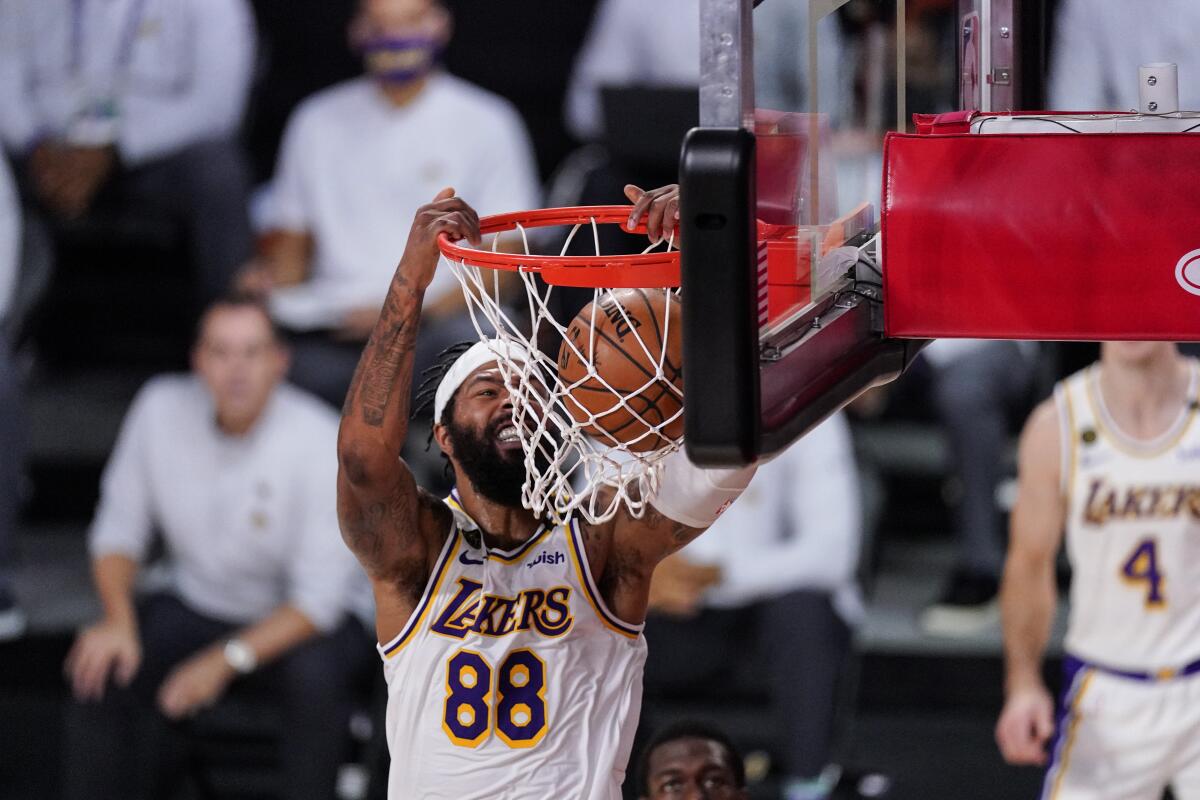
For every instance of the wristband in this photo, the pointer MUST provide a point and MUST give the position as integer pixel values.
(694, 495)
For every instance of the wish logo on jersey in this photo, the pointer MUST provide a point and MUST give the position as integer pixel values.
(548, 558)
(1109, 502)
(547, 612)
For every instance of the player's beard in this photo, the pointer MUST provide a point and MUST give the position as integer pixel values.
(495, 475)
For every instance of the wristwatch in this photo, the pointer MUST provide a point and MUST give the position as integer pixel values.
(240, 656)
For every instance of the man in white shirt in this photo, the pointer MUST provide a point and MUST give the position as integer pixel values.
(773, 579)
(12, 428)
(1098, 48)
(110, 103)
(359, 158)
(237, 472)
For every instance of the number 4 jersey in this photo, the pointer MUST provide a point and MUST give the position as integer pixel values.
(512, 679)
(1133, 533)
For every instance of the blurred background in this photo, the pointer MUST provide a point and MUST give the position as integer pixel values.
(108, 278)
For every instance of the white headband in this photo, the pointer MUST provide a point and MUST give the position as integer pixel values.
(481, 353)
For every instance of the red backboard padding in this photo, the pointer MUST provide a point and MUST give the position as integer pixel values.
(1042, 236)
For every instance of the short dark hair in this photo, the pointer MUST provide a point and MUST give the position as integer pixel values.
(237, 300)
(426, 393)
(431, 379)
(690, 729)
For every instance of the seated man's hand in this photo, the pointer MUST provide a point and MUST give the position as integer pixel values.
(195, 684)
(68, 178)
(659, 206)
(678, 585)
(106, 649)
(49, 172)
(89, 169)
(254, 278)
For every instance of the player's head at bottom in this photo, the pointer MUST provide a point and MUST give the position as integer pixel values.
(691, 761)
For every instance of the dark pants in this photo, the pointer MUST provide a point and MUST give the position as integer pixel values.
(976, 397)
(203, 188)
(123, 749)
(795, 646)
(12, 458)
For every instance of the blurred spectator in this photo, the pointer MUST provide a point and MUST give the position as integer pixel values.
(634, 43)
(774, 576)
(1098, 48)
(12, 429)
(111, 104)
(978, 388)
(236, 471)
(358, 157)
(691, 760)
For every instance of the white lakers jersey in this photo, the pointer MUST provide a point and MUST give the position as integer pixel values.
(512, 680)
(1133, 533)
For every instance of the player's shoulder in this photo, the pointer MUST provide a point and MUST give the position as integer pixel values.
(1040, 439)
(1043, 419)
(436, 514)
(1077, 378)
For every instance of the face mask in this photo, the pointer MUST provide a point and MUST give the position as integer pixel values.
(400, 60)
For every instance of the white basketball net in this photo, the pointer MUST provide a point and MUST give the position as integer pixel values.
(568, 471)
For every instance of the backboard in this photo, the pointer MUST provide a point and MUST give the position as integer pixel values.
(780, 191)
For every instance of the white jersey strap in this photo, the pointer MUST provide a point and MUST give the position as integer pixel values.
(461, 518)
(1066, 438)
(583, 571)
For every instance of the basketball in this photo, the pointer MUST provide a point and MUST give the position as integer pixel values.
(625, 347)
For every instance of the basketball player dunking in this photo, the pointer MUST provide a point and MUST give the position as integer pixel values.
(1114, 459)
(512, 649)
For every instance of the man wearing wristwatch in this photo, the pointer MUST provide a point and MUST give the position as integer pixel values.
(236, 471)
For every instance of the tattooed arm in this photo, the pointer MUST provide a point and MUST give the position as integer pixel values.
(393, 527)
(624, 553)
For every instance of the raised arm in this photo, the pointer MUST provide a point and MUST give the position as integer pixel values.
(1028, 592)
(385, 520)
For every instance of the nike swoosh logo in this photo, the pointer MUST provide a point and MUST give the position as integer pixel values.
(463, 559)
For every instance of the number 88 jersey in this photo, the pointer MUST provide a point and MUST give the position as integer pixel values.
(512, 679)
(1133, 532)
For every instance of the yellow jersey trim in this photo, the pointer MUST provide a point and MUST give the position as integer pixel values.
(504, 556)
(1127, 444)
(1072, 448)
(1072, 729)
(435, 584)
(579, 558)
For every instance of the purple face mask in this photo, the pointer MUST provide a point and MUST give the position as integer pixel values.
(395, 60)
